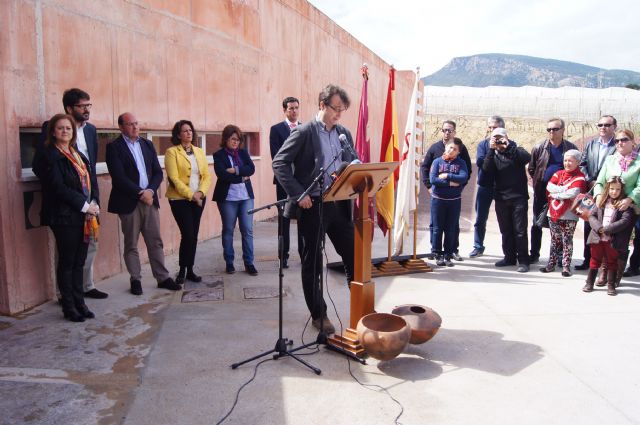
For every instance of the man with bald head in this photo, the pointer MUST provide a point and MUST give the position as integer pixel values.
(136, 176)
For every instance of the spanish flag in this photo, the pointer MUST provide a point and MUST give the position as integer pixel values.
(388, 153)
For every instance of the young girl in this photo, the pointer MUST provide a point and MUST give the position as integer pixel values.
(448, 175)
(610, 231)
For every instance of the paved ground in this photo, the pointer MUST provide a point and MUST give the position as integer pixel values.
(514, 349)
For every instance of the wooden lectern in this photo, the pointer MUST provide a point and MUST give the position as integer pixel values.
(359, 181)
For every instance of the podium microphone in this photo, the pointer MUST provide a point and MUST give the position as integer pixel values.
(347, 146)
(334, 176)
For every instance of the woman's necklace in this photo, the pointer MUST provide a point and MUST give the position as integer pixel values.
(188, 149)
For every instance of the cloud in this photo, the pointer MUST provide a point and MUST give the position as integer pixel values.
(410, 33)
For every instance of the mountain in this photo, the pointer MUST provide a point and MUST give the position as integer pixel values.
(496, 69)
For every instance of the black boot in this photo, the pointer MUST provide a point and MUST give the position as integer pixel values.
(591, 278)
(66, 297)
(180, 276)
(611, 283)
(78, 294)
(192, 276)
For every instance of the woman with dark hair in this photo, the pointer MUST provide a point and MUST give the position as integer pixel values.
(70, 209)
(234, 195)
(188, 182)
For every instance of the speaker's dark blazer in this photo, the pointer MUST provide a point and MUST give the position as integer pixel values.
(302, 150)
(220, 164)
(277, 135)
(90, 136)
(125, 178)
(62, 194)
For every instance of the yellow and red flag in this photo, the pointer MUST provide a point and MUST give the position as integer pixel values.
(388, 153)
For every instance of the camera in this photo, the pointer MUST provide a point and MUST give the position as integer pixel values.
(501, 142)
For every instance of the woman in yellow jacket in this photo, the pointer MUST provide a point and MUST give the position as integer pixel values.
(189, 181)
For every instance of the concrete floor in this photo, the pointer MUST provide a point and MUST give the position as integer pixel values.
(513, 349)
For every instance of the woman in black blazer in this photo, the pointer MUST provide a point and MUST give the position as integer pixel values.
(234, 196)
(70, 209)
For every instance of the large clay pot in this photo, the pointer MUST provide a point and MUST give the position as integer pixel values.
(383, 335)
(424, 322)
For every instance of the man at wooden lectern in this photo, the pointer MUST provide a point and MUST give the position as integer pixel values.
(309, 148)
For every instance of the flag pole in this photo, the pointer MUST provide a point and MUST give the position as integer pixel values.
(415, 263)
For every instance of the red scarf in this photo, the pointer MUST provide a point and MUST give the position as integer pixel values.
(570, 180)
(91, 226)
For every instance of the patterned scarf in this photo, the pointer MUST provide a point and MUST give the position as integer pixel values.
(91, 226)
(626, 160)
(234, 153)
(570, 180)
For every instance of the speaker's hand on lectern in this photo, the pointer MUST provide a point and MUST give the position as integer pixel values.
(306, 203)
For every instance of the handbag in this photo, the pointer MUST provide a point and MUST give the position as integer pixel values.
(542, 220)
(583, 204)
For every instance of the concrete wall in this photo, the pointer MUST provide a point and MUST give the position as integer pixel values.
(214, 62)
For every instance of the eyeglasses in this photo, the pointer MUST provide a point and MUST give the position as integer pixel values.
(338, 110)
(85, 106)
(623, 140)
(554, 129)
(448, 130)
(607, 125)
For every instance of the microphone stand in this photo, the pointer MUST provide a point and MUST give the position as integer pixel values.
(280, 348)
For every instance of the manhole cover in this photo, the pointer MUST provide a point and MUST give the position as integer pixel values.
(263, 292)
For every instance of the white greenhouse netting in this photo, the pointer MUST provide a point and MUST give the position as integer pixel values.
(569, 103)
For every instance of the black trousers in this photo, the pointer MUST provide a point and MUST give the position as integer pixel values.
(283, 228)
(187, 215)
(539, 199)
(72, 252)
(338, 225)
(512, 220)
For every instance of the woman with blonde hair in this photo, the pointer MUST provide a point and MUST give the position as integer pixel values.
(625, 164)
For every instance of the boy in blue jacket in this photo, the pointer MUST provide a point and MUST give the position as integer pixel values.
(448, 175)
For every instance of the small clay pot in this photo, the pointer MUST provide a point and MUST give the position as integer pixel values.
(424, 322)
(383, 335)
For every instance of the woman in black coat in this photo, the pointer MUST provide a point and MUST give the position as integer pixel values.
(70, 209)
(234, 195)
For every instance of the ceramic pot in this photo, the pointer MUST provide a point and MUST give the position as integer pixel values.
(383, 335)
(424, 322)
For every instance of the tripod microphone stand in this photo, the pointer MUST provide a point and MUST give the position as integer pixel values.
(280, 348)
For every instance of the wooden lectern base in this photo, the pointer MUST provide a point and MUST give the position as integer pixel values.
(348, 341)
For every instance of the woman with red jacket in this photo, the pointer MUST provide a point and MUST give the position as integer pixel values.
(562, 188)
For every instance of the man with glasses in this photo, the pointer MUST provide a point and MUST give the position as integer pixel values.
(546, 158)
(77, 103)
(136, 176)
(277, 135)
(593, 156)
(484, 194)
(310, 148)
(436, 150)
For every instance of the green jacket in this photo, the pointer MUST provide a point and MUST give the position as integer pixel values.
(611, 168)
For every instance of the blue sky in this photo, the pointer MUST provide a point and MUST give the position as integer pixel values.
(410, 33)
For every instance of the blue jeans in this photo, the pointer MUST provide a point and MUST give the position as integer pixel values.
(484, 197)
(445, 216)
(230, 211)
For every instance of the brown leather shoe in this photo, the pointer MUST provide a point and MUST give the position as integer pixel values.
(327, 326)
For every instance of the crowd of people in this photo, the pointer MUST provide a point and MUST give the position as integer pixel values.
(599, 184)
(603, 177)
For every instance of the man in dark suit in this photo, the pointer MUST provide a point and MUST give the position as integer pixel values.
(309, 148)
(77, 103)
(136, 176)
(277, 135)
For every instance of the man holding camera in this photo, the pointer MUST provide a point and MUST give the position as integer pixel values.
(546, 158)
(506, 161)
